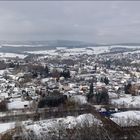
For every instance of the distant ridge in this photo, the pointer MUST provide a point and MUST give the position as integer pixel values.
(22, 46)
(69, 43)
(47, 43)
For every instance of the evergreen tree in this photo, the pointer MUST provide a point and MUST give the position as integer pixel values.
(95, 68)
(46, 69)
(66, 73)
(106, 80)
(90, 94)
(127, 88)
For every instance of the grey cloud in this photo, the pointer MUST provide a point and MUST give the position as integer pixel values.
(99, 22)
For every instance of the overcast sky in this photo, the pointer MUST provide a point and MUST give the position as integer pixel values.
(92, 21)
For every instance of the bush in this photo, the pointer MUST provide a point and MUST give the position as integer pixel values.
(3, 106)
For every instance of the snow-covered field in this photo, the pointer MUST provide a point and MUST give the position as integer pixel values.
(73, 51)
(127, 118)
(17, 103)
(76, 51)
(127, 101)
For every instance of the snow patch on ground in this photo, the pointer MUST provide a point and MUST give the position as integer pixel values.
(6, 126)
(79, 99)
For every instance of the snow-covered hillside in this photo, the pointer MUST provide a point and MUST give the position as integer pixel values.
(13, 55)
(45, 127)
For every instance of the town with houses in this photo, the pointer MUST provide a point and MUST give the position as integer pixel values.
(87, 93)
